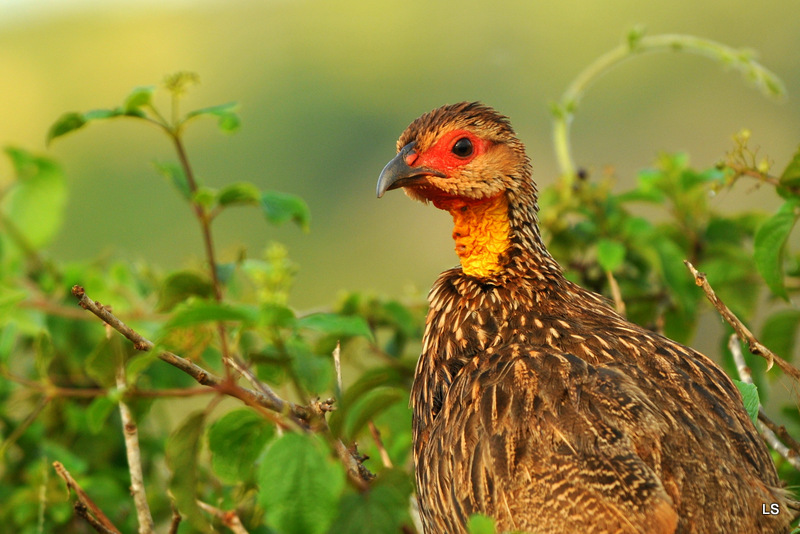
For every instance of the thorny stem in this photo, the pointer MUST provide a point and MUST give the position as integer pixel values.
(636, 44)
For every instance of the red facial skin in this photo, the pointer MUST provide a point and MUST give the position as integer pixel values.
(441, 158)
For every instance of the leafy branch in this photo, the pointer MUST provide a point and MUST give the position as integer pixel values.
(636, 43)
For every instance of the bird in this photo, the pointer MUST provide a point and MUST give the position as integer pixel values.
(534, 402)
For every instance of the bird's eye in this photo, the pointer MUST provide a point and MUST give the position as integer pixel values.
(462, 148)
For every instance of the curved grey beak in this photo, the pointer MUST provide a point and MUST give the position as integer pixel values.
(397, 173)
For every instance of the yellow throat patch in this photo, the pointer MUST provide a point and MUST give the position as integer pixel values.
(482, 233)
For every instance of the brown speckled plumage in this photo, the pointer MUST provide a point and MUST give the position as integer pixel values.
(537, 404)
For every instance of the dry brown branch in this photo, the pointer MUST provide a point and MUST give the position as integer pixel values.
(769, 435)
(376, 437)
(619, 304)
(82, 512)
(308, 416)
(131, 434)
(88, 509)
(741, 330)
(175, 522)
(781, 432)
(268, 400)
(229, 518)
(337, 365)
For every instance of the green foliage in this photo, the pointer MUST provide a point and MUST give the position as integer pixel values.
(299, 485)
(384, 508)
(60, 369)
(480, 524)
(769, 245)
(750, 397)
(32, 207)
(236, 440)
(182, 454)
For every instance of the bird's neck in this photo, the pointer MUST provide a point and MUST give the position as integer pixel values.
(482, 232)
(497, 234)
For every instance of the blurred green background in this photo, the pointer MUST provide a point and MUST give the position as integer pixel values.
(325, 89)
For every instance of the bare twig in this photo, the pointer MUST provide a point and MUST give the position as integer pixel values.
(619, 304)
(309, 417)
(337, 365)
(353, 463)
(83, 512)
(781, 432)
(268, 400)
(229, 518)
(131, 434)
(85, 502)
(764, 430)
(741, 330)
(175, 522)
(376, 437)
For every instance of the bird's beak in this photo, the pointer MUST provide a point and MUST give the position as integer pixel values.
(398, 172)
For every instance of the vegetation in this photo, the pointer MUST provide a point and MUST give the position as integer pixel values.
(225, 409)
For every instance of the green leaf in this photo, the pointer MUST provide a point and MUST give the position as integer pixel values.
(205, 197)
(69, 122)
(181, 285)
(175, 175)
(481, 524)
(279, 208)
(401, 317)
(65, 124)
(277, 316)
(183, 448)
(780, 332)
(139, 363)
(139, 97)
(299, 485)
(387, 377)
(769, 246)
(368, 407)
(384, 508)
(314, 372)
(750, 397)
(35, 203)
(675, 274)
(97, 413)
(239, 193)
(103, 362)
(45, 353)
(100, 114)
(196, 311)
(335, 324)
(791, 174)
(236, 440)
(227, 114)
(610, 254)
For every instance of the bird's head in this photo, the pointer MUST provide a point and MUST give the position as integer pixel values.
(466, 159)
(463, 152)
